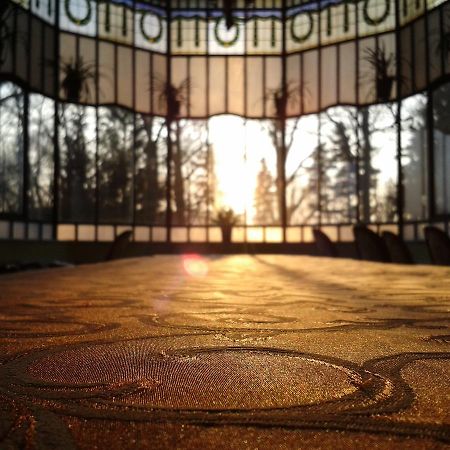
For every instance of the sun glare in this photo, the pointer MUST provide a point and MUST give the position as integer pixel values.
(195, 265)
(239, 148)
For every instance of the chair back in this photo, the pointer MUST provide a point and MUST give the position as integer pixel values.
(397, 248)
(438, 244)
(369, 245)
(324, 245)
(119, 246)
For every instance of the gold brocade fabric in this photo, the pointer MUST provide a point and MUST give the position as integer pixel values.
(251, 352)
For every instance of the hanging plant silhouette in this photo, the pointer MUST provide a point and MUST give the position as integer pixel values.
(172, 96)
(283, 98)
(228, 7)
(383, 66)
(76, 77)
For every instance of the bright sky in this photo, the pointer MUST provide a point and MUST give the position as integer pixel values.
(239, 147)
(238, 150)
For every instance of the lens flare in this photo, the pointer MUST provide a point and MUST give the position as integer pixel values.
(195, 265)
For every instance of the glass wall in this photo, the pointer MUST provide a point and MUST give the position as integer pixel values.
(159, 115)
(133, 54)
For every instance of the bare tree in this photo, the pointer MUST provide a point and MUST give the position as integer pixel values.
(78, 171)
(282, 141)
(40, 154)
(11, 148)
(362, 123)
(265, 196)
(150, 154)
(190, 155)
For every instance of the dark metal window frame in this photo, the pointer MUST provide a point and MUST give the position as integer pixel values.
(431, 86)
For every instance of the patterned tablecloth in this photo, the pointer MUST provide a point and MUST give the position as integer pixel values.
(225, 352)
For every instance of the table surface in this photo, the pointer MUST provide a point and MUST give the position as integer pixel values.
(225, 352)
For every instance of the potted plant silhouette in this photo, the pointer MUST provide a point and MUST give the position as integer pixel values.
(383, 66)
(226, 219)
(76, 77)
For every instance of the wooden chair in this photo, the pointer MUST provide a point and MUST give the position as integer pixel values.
(397, 248)
(369, 245)
(119, 246)
(438, 244)
(324, 245)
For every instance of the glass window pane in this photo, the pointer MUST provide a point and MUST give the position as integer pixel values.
(216, 85)
(107, 75)
(198, 87)
(150, 170)
(77, 179)
(11, 148)
(301, 170)
(115, 149)
(191, 191)
(339, 149)
(40, 155)
(36, 57)
(50, 66)
(125, 76)
(254, 87)
(142, 82)
(236, 94)
(293, 80)
(79, 16)
(378, 163)
(441, 141)
(414, 157)
(328, 77)
(311, 81)
(347, 73)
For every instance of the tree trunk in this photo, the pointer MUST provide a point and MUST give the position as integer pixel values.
(178, 178)
(279, 147)
(367, 166)
(150, 188)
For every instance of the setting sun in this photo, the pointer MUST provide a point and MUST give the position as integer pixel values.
(239, 147)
